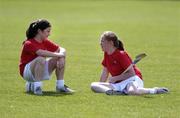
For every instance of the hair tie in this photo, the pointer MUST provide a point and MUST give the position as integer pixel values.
(34, 25)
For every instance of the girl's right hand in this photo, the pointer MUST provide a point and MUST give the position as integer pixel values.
(60, 55)
(46, 53)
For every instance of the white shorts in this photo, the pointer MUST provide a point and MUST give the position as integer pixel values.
(28, 76)
(122, 85)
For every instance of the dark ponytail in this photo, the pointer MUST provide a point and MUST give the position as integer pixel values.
(111, 36)
(32, 31)
(120, 45)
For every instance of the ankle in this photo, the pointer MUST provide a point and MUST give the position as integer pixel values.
(60, 83)
(153, 91)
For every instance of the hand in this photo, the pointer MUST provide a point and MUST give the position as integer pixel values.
(61, 62)
(60, 55)
(112, 80)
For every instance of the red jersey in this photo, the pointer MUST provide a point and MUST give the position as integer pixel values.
(29, 51)
(118, 62)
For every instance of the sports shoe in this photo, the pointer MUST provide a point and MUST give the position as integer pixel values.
(38, 91)
(114, 92)
(65, 89)
(161, 90)
(29, 87)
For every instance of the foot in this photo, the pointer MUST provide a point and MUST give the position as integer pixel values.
(161, 90)
(65, 89)
(114, 92)
(29, 87)
(38, 91)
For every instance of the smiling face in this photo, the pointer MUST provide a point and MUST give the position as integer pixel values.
(105, 44)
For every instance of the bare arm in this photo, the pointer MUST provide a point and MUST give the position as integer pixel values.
(61, 60)
(104, 75)
(62, 51)
(122, 76)
(59, 53)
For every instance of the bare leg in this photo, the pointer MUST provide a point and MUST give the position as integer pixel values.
(133, 90)
(60, 71)
(58, 64)
(101, 87)
(53, 64)
(38, 67)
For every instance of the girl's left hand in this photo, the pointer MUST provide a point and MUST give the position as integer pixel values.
(111, 80)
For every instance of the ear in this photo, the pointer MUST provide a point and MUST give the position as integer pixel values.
(39, 31)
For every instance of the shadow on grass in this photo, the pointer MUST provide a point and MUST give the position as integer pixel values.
(143, 96)
(148, 96)
(51, 93)
(155, 95)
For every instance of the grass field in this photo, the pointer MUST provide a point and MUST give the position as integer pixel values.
(144, 26)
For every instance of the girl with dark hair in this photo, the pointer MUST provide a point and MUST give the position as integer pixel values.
(116, 61)
(40, 57)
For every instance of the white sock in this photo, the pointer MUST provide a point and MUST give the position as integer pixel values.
(60, 83)
(152, 91)
(37, 84)
(32, 86)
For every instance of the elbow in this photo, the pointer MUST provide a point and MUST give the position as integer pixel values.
(61, 51)
(64, 52)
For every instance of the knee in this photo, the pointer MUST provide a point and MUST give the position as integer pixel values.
(40, 61)
(94, 85)
(132, 90)
(60, 63)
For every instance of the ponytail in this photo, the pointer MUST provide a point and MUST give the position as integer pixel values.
(32, 31)
(120, 45)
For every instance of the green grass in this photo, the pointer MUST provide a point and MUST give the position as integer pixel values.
(144, 26)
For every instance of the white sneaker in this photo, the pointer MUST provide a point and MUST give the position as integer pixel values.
(65, 89)
(38, 91)
(29, 87)
(161, 90)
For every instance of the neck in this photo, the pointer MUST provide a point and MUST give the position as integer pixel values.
(38, 39)
(111, 50)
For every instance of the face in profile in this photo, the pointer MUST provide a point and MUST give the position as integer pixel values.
(104, 45)
(44, 33)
